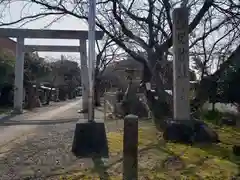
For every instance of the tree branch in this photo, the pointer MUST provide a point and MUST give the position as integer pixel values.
(206, 34)
(232, 59)
(142, 19)
(207, 4)
(167, 7)
(125, 30)
(40, 15)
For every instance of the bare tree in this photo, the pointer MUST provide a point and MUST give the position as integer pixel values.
(108, 52)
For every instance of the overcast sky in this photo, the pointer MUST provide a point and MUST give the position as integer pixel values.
(15, 11)
(20, 9)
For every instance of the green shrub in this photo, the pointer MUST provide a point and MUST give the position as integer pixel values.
(212, 115)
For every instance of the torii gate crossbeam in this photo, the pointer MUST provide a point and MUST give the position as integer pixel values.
(47, 34)
(33, 48)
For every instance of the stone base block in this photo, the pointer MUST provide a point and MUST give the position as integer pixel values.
(191, 131)
(228, 121)
(90, 140)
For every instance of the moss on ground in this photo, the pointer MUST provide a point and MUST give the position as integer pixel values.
(160, 160)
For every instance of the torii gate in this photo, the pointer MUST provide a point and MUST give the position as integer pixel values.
(21, 34)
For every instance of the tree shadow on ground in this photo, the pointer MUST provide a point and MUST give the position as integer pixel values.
(100, 169)
(60, 145)
(180, 163)
(172, 157)
(220, 152)
(202, 154)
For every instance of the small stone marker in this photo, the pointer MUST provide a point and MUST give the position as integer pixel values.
(130, 148)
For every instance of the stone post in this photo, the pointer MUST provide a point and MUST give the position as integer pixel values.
(130, 147)
(181, 64)
(84, 75)
(19, 76)
(57, 95)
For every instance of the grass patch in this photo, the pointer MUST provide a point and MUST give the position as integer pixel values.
(160, 160)
(4, 110)
(215, 117)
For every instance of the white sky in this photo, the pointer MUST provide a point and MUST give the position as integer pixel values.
(66, 23)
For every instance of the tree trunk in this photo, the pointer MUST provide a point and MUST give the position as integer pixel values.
(50, 92)
(31, 97)
(158, 101)
(97, 84)
(213, 106)
(49, 97)
(97, 92)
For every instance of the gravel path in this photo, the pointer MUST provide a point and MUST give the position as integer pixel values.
(37, 153)
(45, 151)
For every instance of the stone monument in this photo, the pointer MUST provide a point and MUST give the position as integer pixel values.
(182, 128)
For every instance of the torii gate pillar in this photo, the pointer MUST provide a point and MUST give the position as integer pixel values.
(19, 76)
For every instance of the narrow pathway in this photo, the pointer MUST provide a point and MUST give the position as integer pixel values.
(9, 133)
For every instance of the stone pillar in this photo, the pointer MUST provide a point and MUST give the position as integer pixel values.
(84, 75)
(130, 147)
(181, 64)
(19, 76)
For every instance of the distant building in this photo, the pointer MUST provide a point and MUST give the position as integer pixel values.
(115, 72)
(9, 45)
